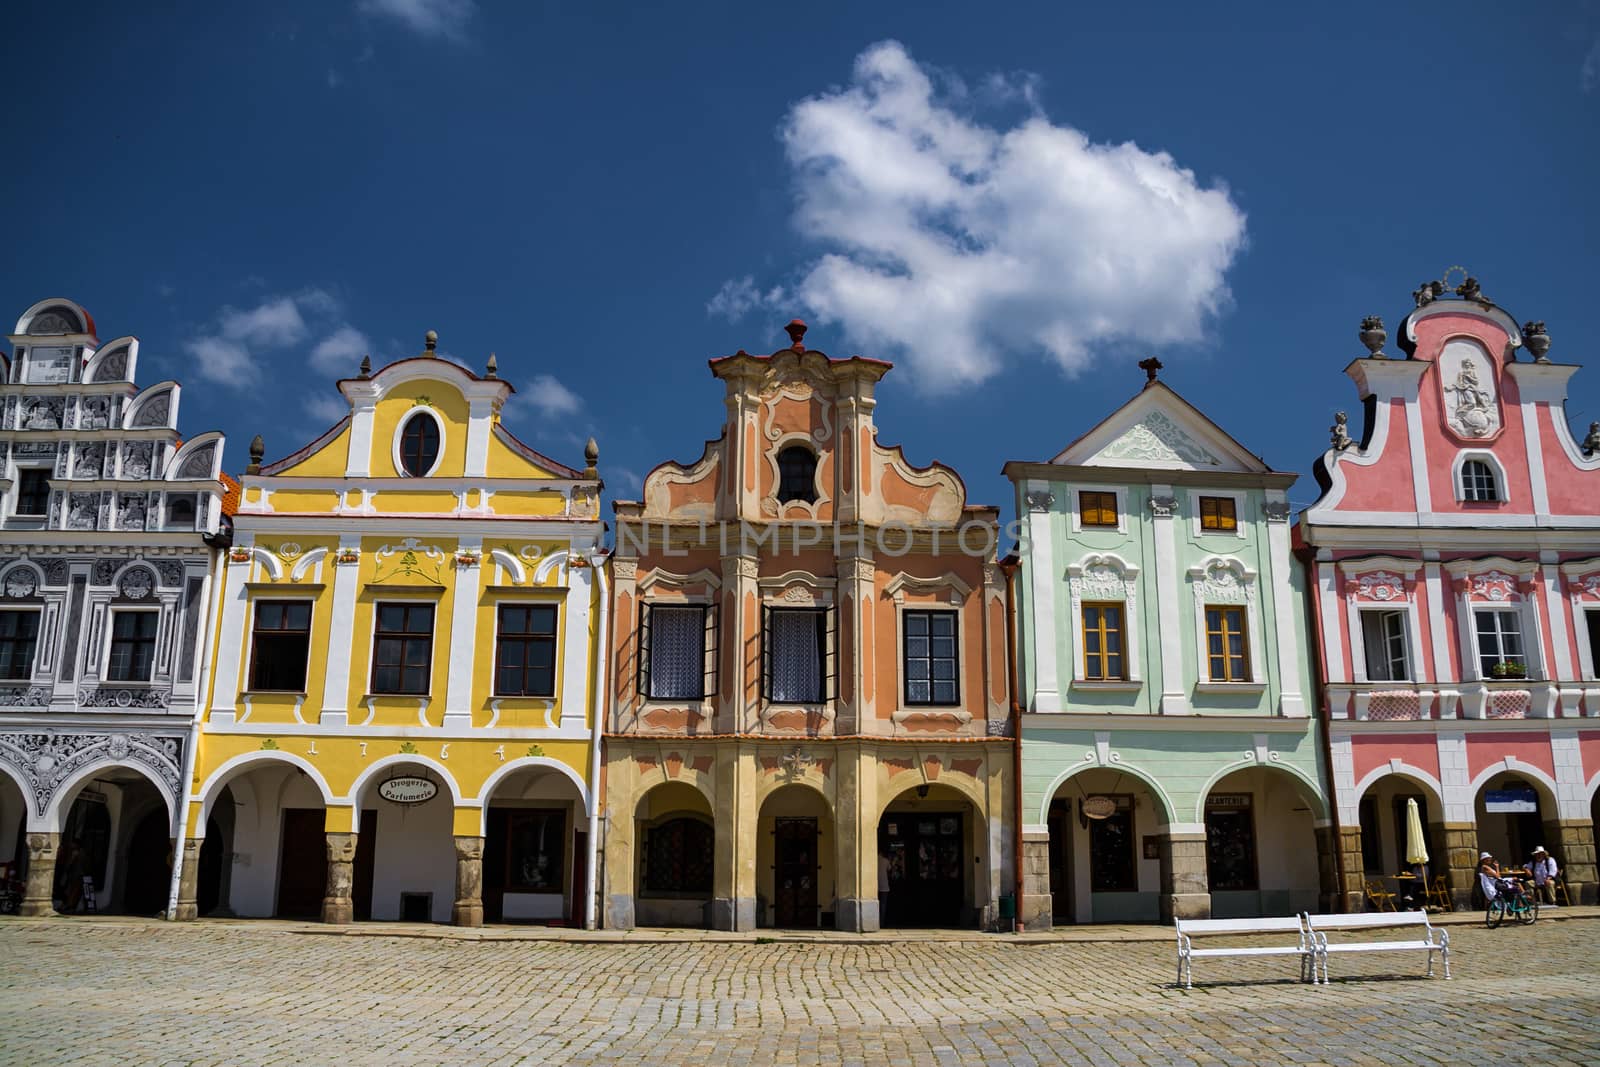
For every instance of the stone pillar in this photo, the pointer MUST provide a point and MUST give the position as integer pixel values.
(620, 868)
(857, 908)
(1185, 890)
(468, 909)
(337, 907)
(1348, 895)
(1574, 851)
(1036, 909)
(1459, 864)
(189, 882)
(39, 896)
(733, 876)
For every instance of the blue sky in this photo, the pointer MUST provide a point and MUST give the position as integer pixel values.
(1015, 203)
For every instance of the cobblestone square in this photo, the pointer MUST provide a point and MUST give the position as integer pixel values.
(91, 992)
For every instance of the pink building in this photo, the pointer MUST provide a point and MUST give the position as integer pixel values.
(1456, 557)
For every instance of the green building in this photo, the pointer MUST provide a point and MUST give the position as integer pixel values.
(1170, 766)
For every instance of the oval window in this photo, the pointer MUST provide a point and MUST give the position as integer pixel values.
(419, 444)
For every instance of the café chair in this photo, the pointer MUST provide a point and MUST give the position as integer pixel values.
(1439, 894)
(1562, 896)
(1381, 898)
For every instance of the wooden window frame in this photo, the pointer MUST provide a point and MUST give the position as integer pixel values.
(1224, 632)
(256, 633)
(1102, 631)
(1093, 513)
(528, 639)
(1216, 521)
(405, 638)
(905, 657)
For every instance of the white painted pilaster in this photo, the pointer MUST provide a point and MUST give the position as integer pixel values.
(231, 640)
(575, 642)
(463, 641)
(1168, 590)
(480, 420)
(341, 632)
(358, 464)
(1454, 779)
(1044, 582)
(1291, 701)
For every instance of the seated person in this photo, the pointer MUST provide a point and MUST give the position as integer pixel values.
(1544, 871)
(1488, 877)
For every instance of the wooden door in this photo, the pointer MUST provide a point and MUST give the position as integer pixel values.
(302, 864)
(927, 871)
(366, 850)
(795, 874)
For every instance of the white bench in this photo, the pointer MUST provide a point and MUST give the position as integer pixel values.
(1430, 940)
(1188, 929)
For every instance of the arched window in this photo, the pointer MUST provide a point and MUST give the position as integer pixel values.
(797, 474)
(1478, 481)
(419, 444)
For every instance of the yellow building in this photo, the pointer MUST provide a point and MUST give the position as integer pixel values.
(402, 700)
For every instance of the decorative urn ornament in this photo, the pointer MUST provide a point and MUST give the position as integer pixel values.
(1373, 335)
(1537, 340)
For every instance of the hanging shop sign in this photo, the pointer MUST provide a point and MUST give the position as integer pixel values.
(1511, 800)
(1099, 807)
(408, 790)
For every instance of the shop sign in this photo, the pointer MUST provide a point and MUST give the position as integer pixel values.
(408, 790)
(1228, 800)
(1511, 800)
(1099, 807)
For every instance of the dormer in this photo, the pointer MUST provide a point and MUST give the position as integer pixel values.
(52, 341)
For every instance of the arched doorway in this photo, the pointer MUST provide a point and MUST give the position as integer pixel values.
(265, 848)
(535, 849)
(932, 841)
(1261, 845)
(115, 852)
(676, 839)
(405, 862)
(13, 839)
(1384, 851)
(1104, 857)
(1511, 812)
(796, 882)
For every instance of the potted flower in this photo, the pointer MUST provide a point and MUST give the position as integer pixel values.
(1505, 670)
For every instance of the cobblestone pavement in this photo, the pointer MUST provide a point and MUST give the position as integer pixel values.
(99, 991)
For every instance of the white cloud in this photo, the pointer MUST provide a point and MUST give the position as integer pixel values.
(956, 243)
(1589, 76)
(548, 396)
(340, 352)
(222, 361)
(229, 351)
(430, 18)
(739, 296)
(326, 408)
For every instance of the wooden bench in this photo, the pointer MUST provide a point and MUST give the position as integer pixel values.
(1188, 929)
(1429, 939)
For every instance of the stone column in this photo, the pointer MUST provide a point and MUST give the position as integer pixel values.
(337, 907)
(39, 896)
(1574, 850)
(1036, 909)
(1185, 890)
(189, 882)
(1459, 864)
(468, 909)
(1349, 894)
(733, 877)
(620, 868)
(855, 847)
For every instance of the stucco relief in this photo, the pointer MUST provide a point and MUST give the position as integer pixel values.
(673, 490)
(1102, 577)
(1497, 586)
(1223, 581)
(46, 760)
(822, 425)
(410, 559)
(1588, 587)
(1382, 586)
(916, 496)
(1470, 393)
(1157, 439)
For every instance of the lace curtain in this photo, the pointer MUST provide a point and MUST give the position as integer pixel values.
(796, 658)
(677, 653)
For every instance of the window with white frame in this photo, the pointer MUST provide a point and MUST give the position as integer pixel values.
(1104, 642)
(1383, 640)
(677, 653)
(19, 639)
(1227, 643)
(1478, 482)
(1500, 649)
(133, 646)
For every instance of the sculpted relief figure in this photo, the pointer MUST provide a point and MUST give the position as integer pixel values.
(1474, 413)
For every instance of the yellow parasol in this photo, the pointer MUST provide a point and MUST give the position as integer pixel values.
(1416, 851)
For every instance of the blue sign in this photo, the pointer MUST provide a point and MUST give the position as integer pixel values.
(1511, 800)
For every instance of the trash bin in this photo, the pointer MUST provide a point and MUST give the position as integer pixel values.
(1008, 907)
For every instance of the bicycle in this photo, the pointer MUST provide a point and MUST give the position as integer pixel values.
(1511, 901)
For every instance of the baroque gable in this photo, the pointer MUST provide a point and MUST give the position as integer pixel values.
(1159, 429)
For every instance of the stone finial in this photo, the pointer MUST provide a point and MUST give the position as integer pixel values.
(1150, 366)
(366, 366)
(591, 459)
(430, 341)
(797, 333)
(258, 448)
(1373, 335)
(1536, 339)
(492, 370)
(1339, 432)
(1427, 293)
(1591, 444)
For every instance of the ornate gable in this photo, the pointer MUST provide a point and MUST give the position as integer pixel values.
(1159, 429)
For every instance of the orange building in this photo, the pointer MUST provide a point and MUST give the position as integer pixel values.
(808, 724)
